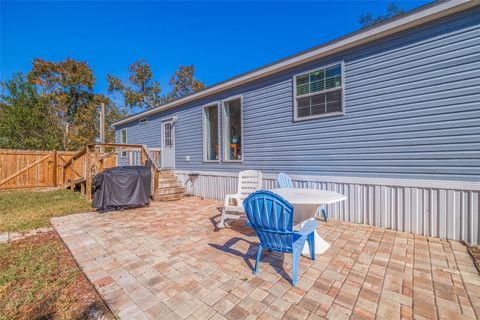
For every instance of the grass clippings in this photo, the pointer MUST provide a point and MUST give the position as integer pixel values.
(40, 280)
(26, 210)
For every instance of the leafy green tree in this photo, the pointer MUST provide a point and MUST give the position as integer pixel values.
(140, 91)
(183, 82)
(54, 107)
(25, 118)
(367, 20)
(68, 86)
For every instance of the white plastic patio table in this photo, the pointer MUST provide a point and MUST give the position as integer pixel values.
(305, 203)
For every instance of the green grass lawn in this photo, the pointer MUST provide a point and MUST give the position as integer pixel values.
(25, 210)
(40, 280)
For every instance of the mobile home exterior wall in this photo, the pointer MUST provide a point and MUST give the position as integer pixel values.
(412, 116)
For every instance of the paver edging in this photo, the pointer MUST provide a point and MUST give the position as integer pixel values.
(7, 237)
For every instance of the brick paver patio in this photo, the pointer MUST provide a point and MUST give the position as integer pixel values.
(167, 262)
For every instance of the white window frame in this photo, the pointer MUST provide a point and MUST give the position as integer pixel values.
(143, 120)
(123, 154)
(204, 132)
(342, 88)
(225, 149)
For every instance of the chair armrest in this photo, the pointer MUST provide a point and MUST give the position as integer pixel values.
(307, 228)
(229, 197)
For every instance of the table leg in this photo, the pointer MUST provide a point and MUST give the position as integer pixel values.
(320, 246)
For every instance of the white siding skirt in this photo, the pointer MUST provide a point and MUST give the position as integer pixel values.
(443, 209)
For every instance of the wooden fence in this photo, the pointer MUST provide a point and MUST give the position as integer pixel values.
(21, 169)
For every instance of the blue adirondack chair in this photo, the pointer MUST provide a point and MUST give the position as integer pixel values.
(271, 217)
(284, 181)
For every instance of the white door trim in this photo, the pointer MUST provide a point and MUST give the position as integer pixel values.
(172, 121)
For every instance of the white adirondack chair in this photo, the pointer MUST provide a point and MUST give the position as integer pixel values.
(248, 182)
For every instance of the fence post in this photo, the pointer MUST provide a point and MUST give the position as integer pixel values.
(64, 176)
(96, 153)
(72, 175)
(55, 168)
(156, 179)
(88, 179)
(142, 156)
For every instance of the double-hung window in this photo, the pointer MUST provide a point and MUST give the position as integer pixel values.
(123, 140)
(232, 129)
(211, 151)
(319, 93)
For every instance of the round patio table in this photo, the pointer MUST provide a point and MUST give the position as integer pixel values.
(305, 203)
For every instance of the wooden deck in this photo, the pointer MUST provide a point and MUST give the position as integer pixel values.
(79, 171)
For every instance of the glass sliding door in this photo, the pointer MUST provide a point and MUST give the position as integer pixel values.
(123, 140)
(232, 130)
(210, 133)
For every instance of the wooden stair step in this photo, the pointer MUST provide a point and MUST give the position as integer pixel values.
(169, 197)
(169, 188)
(167, 191)
(168, 184)
(167, 178)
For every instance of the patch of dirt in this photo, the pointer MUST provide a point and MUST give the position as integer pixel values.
(39, 279)
(475, 253)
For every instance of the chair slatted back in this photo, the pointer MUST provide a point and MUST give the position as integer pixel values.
(249, 181)
(284, 181)
(271, 217)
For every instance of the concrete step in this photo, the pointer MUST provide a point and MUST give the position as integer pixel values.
(168, 191)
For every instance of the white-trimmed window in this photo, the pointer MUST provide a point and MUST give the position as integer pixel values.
(319, 93)
(211, 123)
(232, 129)
(123, 139)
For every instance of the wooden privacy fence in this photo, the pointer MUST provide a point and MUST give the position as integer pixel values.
(22, 169)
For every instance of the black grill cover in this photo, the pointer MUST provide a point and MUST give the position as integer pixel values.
(122, 187)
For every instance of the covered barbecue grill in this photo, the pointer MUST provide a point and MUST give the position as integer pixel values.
(122, 187)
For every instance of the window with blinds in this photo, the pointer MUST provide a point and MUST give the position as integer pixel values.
(319, 93)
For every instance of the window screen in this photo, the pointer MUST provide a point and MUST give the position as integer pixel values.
(319, 92)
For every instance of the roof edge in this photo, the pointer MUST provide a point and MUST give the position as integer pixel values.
(411, 19)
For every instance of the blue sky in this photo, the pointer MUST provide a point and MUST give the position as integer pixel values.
(222, 39)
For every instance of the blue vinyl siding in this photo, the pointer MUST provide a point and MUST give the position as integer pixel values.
(412, 110)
